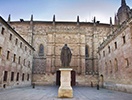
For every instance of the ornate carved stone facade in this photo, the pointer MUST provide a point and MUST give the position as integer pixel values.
(53, 36)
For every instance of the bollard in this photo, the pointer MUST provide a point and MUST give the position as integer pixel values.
(33, 85)
(97, 86)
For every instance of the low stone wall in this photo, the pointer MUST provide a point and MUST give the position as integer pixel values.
(50, 79)
(119, 87)
(16, 85)
(44, 79)
(87, 80)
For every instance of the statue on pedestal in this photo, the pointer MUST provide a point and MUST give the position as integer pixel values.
(65, 56)
(65, 89)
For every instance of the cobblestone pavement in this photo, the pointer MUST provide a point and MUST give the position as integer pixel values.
(50, 93)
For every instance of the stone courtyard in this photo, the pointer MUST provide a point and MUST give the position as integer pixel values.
(50, 93)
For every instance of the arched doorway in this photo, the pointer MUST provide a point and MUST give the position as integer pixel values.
(101, 81)
(73, 78)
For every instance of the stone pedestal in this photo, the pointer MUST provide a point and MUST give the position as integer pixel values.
(65, 90)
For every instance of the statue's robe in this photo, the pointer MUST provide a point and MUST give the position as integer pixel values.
(66, 56)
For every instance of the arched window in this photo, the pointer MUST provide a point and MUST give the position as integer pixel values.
(110, 67)
(86, 51)
(127, 62)
(41, 50)
(109, 48)
(106, 68)
(116, 65)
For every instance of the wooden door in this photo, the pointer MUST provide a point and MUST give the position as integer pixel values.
(58, 78)
(73, 78)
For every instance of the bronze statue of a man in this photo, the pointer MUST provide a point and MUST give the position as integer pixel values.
(65, 56)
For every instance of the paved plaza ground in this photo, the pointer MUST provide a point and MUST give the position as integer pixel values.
(50, 93)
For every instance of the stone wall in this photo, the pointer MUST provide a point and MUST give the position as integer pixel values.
(15, 58)
(115, 58)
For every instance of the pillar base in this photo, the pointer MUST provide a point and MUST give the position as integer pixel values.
(65, 90)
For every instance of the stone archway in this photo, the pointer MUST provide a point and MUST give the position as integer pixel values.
(101, 81)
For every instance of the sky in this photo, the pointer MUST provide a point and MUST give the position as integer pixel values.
(64, 10)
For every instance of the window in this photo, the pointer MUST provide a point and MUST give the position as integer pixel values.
(8, 54)
(19, 60)
(41, 50)
(116, 65)
(2, 31)
(16, 41)
(106, 68)
(99, 55)
(25, 48)
(127, 62)
(30, 52)
(124, 39)
(5, 76)
(10, 38)
(115, 45)
(27, 77)
(14, 58)
(17, 78)
(104, 53)
(0, 51)
(12, 76)
(109, 49)
(28, 63)
(23, 77)
(24, 62)
(86, 51)
(20, 44)
(110, 67)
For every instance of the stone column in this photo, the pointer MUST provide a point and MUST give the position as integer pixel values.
(65, 90)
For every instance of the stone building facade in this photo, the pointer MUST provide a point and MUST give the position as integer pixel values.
(89, 42)
(15, 58)
(115, 57)
(48, 38)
